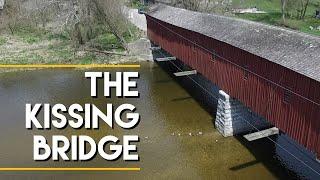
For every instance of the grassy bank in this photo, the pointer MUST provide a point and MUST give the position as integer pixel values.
(273, 15)
(35, 45)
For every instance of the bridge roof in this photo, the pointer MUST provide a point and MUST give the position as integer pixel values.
(294, 50)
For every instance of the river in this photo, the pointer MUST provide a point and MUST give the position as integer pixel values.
(177, 135)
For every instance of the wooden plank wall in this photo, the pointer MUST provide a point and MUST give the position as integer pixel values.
(262, 89)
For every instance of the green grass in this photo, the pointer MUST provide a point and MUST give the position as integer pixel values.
(136, 4)
(61, 48)
(269, 18)
(266, 5)
(64, 54)
(31, 35)
(272, 5)
(135, 33)
(24, 59)
(106, 41)
(304, 26)
(58, 36)
(88, 59)
(274, 16)
(295, 24)
(3, 41)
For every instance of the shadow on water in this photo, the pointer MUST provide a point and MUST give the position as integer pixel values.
(264, 151)
(163, 81)
(181, 99)
(279, 161)
(244, 165)
(203, 98)
(285, 157)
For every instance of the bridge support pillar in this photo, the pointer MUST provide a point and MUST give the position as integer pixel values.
(234, 118)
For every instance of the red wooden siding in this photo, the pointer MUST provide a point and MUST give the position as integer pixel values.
(299, 118)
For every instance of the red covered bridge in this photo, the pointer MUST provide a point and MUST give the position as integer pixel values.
(273, 71)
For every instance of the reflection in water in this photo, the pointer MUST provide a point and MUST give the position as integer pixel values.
(177, 136)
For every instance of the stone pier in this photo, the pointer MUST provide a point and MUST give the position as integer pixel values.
(234, 118)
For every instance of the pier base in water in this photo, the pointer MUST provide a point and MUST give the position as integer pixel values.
(234, 118)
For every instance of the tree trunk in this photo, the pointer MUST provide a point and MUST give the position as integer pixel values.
(305, 9)
(77, 29)
(283, 9)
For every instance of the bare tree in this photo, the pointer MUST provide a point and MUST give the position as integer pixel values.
(77, 31)
(305, 4)
(297, 8)
(191, 4)
(81, 19)
(46, 10)
(111, 13)
(12, 15)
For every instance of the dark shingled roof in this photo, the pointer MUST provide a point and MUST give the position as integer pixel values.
(294, 50)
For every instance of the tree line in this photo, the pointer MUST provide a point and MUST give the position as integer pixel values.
(289, 8)
(79, 18)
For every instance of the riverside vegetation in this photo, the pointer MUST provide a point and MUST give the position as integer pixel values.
(49, 32)
(299, 15)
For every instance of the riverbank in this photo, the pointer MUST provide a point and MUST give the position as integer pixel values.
(30, 46)
(36, 45)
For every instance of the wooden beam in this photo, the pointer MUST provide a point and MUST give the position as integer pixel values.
(166, 59)
(261, 134)
(185, 73)
(155, 48)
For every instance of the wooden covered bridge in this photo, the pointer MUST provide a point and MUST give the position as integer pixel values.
(273, 71)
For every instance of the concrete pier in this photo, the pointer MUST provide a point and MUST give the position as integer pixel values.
(234, 118)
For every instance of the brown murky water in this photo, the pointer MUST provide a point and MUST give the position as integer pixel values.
(168, 114)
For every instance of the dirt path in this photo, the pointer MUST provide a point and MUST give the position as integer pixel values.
(141, 47)
(139, 20)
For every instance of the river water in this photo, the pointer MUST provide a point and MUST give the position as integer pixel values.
(177, 135)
